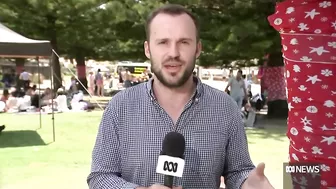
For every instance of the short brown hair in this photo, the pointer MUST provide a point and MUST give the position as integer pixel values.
(174, 10)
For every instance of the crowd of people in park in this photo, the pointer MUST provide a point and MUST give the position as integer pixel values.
(22, 95)
(97, 80)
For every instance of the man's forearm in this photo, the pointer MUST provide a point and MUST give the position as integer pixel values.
(107, 181)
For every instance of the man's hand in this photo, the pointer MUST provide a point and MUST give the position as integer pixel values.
(157, 186)
(257, 179)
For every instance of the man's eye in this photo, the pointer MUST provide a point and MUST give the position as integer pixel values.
(185, 42)
(162, 42)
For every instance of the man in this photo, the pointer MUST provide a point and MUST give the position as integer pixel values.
(25, 79)
(137, 119)
(237, 88)
(127, 77)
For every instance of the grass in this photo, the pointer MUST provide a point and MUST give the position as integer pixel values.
(30, 159)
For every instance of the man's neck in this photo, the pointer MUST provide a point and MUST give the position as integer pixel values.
(177, 96)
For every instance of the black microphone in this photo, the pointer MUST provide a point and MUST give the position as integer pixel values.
(171, 162)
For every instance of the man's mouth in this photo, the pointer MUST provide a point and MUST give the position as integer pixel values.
(173, 68)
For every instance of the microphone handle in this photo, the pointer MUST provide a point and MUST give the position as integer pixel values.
(168, 181)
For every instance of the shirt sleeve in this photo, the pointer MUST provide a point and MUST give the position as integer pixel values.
(105, 168)
(238, 163)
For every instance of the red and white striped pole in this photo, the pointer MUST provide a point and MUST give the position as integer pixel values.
(308, 33)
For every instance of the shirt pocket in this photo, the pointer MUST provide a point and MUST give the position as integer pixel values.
(207, 152)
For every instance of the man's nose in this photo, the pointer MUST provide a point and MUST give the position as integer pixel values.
(174, 51)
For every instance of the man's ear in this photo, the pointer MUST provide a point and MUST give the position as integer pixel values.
(147, 51)
(198, 49)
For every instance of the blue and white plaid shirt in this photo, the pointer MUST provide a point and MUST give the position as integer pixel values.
(134, 125)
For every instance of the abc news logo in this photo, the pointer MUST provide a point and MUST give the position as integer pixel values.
(304, 169)
(170, 166)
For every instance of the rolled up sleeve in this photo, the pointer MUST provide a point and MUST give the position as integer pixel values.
(105, 167)
(238, 163)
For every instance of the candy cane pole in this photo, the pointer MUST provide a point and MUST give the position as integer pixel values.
(308, 33)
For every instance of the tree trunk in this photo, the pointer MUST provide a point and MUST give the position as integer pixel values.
(56, 67)
(19, 62)
(81, 73)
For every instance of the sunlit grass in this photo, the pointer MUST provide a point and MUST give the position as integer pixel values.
(30, 159)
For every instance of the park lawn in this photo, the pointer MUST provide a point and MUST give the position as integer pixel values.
(30, 159)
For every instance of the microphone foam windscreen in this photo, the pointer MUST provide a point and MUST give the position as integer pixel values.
(173, 145)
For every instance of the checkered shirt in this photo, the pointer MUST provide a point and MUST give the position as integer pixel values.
(134, 125)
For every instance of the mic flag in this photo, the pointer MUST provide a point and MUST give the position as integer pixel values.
(171, 162)
(171, 166)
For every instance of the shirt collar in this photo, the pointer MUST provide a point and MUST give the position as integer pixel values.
(198, 93)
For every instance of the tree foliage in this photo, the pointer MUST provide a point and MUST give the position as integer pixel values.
(114, 30)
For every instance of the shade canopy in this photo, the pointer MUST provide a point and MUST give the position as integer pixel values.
(15, 45)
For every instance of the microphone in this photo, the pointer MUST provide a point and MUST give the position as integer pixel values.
(171, 162)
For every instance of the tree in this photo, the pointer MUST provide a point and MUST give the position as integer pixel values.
(68, 24)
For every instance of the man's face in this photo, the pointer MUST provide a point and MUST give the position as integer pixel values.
(172, 48)
(239, 75)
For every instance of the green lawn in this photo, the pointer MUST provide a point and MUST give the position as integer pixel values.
(30, 159)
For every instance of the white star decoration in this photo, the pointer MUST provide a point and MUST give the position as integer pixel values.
(313, 79)
(333, 24)
(319, 50)
(305, 121)
(311, 14)
(329, 140)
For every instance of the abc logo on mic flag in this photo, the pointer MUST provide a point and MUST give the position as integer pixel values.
(168, 165)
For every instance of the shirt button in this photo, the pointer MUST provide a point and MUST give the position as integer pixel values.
(196, 100)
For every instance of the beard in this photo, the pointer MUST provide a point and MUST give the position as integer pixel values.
(178, 82)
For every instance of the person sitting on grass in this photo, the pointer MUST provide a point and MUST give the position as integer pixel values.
(2, 127)
(4, 99)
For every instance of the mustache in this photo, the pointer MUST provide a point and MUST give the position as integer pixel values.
(173, 60)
